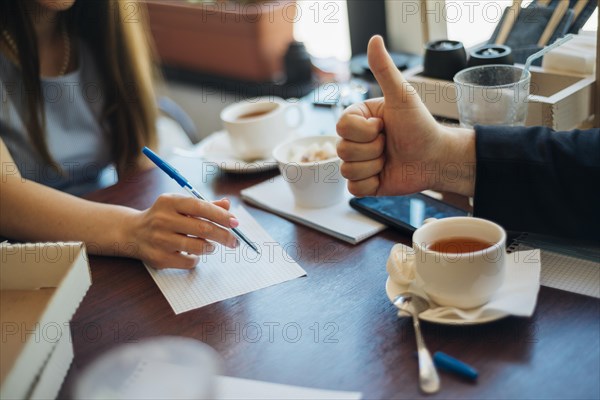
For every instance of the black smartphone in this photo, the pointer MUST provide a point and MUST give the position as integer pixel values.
(404, 213)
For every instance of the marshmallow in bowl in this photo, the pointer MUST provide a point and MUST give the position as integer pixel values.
(312, 153)
(400, 265)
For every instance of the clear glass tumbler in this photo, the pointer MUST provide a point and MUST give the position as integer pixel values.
(492, 95)
(160, 367)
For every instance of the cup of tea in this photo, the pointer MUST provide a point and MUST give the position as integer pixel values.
(459, 261)
(256, 127)
(311, 167)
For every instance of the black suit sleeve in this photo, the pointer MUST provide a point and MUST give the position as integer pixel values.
(538, 180)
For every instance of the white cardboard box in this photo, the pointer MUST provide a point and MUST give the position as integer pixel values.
(558, 101)
(41, 286)
(52, 375)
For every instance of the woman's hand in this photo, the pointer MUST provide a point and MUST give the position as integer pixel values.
(177, 229)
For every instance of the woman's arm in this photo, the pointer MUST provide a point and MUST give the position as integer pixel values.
(33, 212)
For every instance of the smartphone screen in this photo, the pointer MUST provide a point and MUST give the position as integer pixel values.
(406, 213)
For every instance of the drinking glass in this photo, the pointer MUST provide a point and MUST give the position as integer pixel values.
(160, 367)
(492, 95)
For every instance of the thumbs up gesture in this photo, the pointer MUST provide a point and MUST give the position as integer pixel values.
(393, 145)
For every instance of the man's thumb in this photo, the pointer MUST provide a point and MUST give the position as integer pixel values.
(387, 74)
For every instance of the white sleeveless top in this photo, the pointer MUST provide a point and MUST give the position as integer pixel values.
(73, 105)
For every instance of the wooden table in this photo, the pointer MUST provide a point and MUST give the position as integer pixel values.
(335, 328)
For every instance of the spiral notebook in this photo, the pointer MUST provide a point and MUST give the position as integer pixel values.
(566, 265)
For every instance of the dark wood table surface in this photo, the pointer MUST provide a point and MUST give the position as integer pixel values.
(334, 329)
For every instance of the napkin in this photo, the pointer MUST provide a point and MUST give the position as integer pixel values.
(576, 56)
(517, 295)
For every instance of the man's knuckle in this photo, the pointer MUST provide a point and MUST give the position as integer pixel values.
(342, 126)
(342, 150)
(346, 170)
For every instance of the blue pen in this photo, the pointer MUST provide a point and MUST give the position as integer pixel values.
(174, 174)
(451, 364)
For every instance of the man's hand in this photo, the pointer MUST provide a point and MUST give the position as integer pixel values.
(393, 145)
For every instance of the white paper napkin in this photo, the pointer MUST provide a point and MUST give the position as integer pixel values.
(517, 295)
(576, 56)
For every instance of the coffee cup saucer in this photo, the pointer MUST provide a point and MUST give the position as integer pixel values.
(393, 289)
(216, 149)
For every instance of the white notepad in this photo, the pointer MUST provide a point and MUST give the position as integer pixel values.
(228, 272)
(566, 265)
(340, 220)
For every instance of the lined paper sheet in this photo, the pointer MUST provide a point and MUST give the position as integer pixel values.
(236, 388)
(228, 272)
(164, 380)
(568, 273)
(340, 220)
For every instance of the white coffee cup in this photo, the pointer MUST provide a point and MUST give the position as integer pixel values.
(459, 279)
(257, 126)
(315, 184)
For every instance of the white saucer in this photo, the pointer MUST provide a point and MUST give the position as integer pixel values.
(393, 289)
(216, 149)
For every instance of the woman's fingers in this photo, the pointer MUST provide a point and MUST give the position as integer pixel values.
(190, 245)
(203, 209)
(202, 229)
(178, 251)
(176, 260)
(223, 203)
(200, 225)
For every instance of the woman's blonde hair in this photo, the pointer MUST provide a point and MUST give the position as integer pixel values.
(117, 35)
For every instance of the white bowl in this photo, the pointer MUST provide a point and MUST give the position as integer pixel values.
(315, 184)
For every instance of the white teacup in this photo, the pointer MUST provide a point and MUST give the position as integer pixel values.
(315, 184)
(256, 127)
(459, 274)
